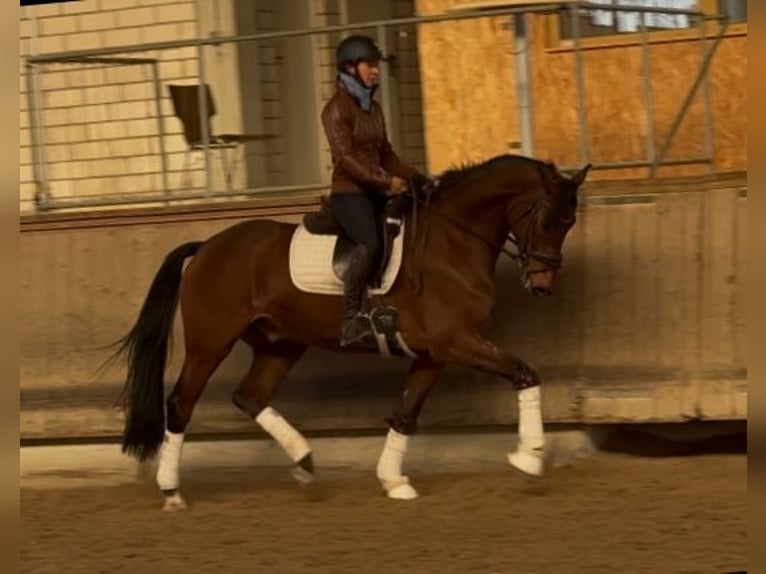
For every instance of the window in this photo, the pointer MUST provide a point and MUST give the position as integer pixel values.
(599, 27)
(595, 23)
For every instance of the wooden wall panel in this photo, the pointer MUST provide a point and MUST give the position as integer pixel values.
(469, 88)
(719, 279)
(645, 277)
(469, 106)
(677, 262)
(597, 286)
(740, 297)
(615, 109)
(729, 88)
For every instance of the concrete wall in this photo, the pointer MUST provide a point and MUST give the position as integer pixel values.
(647, 324)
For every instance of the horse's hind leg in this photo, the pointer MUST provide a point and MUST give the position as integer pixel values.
(271, 364)
(195, 373)
(403, 424)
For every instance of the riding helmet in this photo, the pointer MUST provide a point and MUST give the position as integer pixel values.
(356, 48)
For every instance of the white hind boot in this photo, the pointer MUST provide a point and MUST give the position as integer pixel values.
(529, 454)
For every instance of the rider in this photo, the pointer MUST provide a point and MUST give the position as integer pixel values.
(366, 171)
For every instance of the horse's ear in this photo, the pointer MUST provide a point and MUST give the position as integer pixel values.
(579, 177)
(550, 177)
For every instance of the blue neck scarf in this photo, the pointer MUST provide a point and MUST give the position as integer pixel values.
(362, 94)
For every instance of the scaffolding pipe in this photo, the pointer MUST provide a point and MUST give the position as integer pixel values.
(135, 199)
(689, 98)
(467, 15)
(708, 124)
(647, 91)
(581, 115)
(385, 84)
(161, 124)
(523, 83)
(203, 118)
(39, 165)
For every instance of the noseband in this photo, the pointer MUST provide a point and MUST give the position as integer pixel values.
(552, 262)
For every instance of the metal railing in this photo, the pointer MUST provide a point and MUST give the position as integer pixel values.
(654, 159)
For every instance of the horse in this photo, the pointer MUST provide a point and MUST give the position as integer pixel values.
(240, 285)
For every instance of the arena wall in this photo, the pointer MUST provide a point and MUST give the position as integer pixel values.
(648, 322)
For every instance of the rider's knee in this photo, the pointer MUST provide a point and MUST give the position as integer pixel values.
(374, 248)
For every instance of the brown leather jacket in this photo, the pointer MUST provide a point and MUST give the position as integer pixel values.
(362, 156)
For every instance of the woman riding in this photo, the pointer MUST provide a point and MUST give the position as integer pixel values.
(366, 172)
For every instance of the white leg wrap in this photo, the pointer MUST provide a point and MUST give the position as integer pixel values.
(530, 419)
(389, 470)
(170, 461)
(529, 454)
(390, 461)
(286, 435)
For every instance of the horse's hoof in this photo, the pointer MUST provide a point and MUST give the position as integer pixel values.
(303, 471)
(302, 475)
(174, 503)
(400, 489)
(529, 463)
(403, 492)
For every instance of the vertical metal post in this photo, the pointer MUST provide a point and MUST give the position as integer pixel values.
(203, 118)
(37, 139)
(343, 8)
(161, 126)
(385, 86)
(574, 11)
(708, 123)
(523, 83)
(42, 189)
(709, 52)
(647, 90)
(582, 372)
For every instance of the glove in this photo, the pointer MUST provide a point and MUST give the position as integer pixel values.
(398, 186)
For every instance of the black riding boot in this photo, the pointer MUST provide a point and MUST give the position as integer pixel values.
(356, 327)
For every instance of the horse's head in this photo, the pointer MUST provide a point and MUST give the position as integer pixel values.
(544, 225)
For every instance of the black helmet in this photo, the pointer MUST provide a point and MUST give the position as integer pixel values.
(356, 48)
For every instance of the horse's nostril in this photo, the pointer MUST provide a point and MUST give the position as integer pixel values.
(540, 291)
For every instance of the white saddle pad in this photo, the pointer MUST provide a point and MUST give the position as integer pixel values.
(311, 263)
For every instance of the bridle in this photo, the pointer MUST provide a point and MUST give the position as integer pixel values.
(551, 262)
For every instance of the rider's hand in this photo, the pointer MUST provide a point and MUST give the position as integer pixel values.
(398, 185)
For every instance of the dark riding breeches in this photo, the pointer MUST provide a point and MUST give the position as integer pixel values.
(357, 214)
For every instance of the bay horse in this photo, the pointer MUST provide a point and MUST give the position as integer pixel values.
(238, 286)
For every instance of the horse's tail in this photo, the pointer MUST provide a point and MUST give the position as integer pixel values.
(147, 349)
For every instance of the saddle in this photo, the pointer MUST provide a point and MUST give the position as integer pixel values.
(322, 222)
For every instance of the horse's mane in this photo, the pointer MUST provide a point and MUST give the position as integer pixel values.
(453, 176)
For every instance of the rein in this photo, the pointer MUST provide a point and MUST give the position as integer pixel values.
(554, 262)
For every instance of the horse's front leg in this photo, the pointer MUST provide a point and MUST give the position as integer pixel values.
(403, 424)
(475, 351)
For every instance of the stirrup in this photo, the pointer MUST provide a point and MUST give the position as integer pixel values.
(365, 335)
